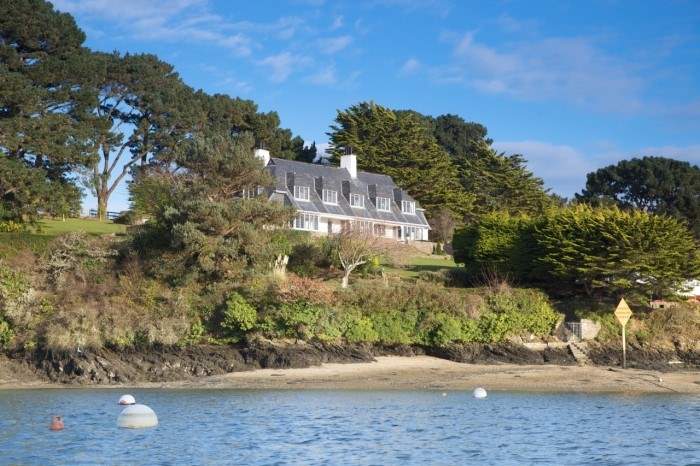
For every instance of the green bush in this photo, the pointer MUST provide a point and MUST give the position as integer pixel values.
(359, 329)
(6, 334)
(239, 317)
(306, 259)
(395, 327)
(298, 320)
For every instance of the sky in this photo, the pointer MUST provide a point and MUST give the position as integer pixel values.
(573, 86)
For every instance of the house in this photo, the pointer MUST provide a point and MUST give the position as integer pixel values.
(331, 199)
(691, 290)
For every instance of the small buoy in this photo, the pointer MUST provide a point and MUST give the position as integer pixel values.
(479, 393)
(127, 400)
(56, 423)
(444, 394)
(136, 417)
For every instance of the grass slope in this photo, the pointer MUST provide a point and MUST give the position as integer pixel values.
(419, 264)
(86, 225)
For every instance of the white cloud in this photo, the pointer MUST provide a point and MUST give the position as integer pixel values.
(183, 21)
(410, 66)
(337, 23)
(283, 64)
(688, 153)
(326, 76)
(331, 45)
(572, 69)
(564, 168)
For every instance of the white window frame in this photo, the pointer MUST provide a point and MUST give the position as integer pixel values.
(330, 197)
(408, 207)
(384, 204)
(354, 197)
(305, 221)
(302, 193)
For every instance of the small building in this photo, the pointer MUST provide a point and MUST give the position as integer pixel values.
(332, 199)
(691, 290)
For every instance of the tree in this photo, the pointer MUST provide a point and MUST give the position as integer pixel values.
(653, 184)
(203, 227)
(442, 226)
(308, 154)
(355, 247)
(38, 100)
(608, 251)
(498, 245)
(502, 182)
(137, 108)
(400, 147)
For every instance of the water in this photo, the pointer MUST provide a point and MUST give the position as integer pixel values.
(351, 427)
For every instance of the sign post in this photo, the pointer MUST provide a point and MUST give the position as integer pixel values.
(623, 314)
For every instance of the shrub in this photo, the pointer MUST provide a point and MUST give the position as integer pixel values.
(6, 334)
(445, 329)
(239, 316)
(306, 259)
(75, 253)
(395, 327)
(299, 319)
(10, 226)
(358, 328)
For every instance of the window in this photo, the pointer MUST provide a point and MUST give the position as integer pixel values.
(304, 221)
(408, 207)
(410, 233)
(357, 200)
(384, 204)
(301, 193)
(379, 230)
(362, 226)
(330, 197)
(250, 193)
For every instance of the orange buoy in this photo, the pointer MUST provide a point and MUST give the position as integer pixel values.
(56, 423)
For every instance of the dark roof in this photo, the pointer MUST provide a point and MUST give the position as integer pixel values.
(288, 173)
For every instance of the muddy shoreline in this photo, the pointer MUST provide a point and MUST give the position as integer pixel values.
(176, 364)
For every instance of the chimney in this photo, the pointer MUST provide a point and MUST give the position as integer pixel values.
(264, 155)
(349, 162)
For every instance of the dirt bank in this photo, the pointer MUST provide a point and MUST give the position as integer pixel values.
(189, 364)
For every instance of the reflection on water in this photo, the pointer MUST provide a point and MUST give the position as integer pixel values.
(350, 427)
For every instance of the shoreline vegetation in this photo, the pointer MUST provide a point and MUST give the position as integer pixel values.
(204, 277)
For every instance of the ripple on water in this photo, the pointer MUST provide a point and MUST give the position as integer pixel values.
(351, 427)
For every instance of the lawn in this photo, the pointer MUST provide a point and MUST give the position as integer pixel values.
(87, 225)
(419, 264)
(38, 241)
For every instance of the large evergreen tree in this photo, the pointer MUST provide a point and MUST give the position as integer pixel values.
(654, 184)
(38, 102)
(399, 146)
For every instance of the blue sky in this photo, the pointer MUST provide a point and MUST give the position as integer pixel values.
(573, 86)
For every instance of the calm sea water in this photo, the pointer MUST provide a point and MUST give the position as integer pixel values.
(351, 427)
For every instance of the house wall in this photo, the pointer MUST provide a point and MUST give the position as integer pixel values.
(390, 232)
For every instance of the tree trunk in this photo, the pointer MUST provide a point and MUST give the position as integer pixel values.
(102, 198)
(346, 279)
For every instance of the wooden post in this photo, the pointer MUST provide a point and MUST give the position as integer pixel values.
(624, 347)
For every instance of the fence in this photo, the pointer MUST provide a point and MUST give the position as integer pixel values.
(575, 328)
(110, 214)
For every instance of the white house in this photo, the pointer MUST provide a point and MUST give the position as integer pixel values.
(329, 199)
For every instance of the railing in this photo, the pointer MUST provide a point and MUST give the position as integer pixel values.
(575, 328)
(110, 214)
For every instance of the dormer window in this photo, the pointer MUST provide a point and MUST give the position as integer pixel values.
(408, 207)
(301, 193)
(357, 200)
(330, 196)
(384, 204)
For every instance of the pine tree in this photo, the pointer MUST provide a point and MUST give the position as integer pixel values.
(400, 147)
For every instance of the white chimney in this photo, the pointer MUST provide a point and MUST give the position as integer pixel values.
(264, 155)
(349, 162)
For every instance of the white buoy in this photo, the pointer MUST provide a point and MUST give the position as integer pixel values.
(127, 400)
(136, 417)
(479, 393)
